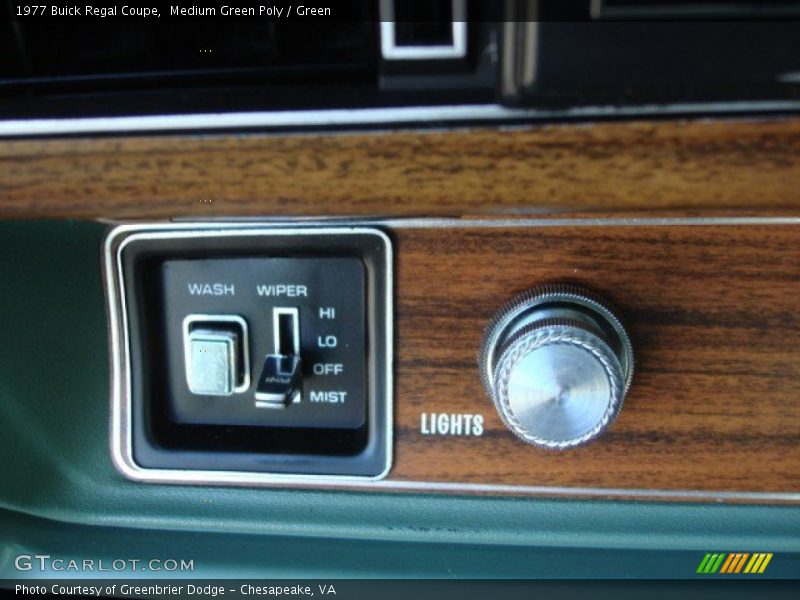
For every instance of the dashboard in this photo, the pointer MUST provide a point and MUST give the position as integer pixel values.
(448, 290)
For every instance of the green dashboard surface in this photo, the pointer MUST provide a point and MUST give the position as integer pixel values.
(60, 494)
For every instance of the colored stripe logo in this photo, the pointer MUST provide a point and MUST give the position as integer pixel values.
(732, 563)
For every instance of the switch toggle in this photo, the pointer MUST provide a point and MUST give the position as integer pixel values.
(281, 377)
(280, 380)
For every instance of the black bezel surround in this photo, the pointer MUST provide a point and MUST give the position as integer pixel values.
(153, 444)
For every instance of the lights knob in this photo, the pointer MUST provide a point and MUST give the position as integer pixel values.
(557, 363)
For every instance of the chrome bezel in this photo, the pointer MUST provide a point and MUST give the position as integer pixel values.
(121, 426)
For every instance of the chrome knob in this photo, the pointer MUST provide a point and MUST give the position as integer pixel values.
(557, 363)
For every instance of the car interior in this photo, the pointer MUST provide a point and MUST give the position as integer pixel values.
(382, 298)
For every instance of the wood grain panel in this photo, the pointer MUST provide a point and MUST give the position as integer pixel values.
(601, 167)
(714, 313)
